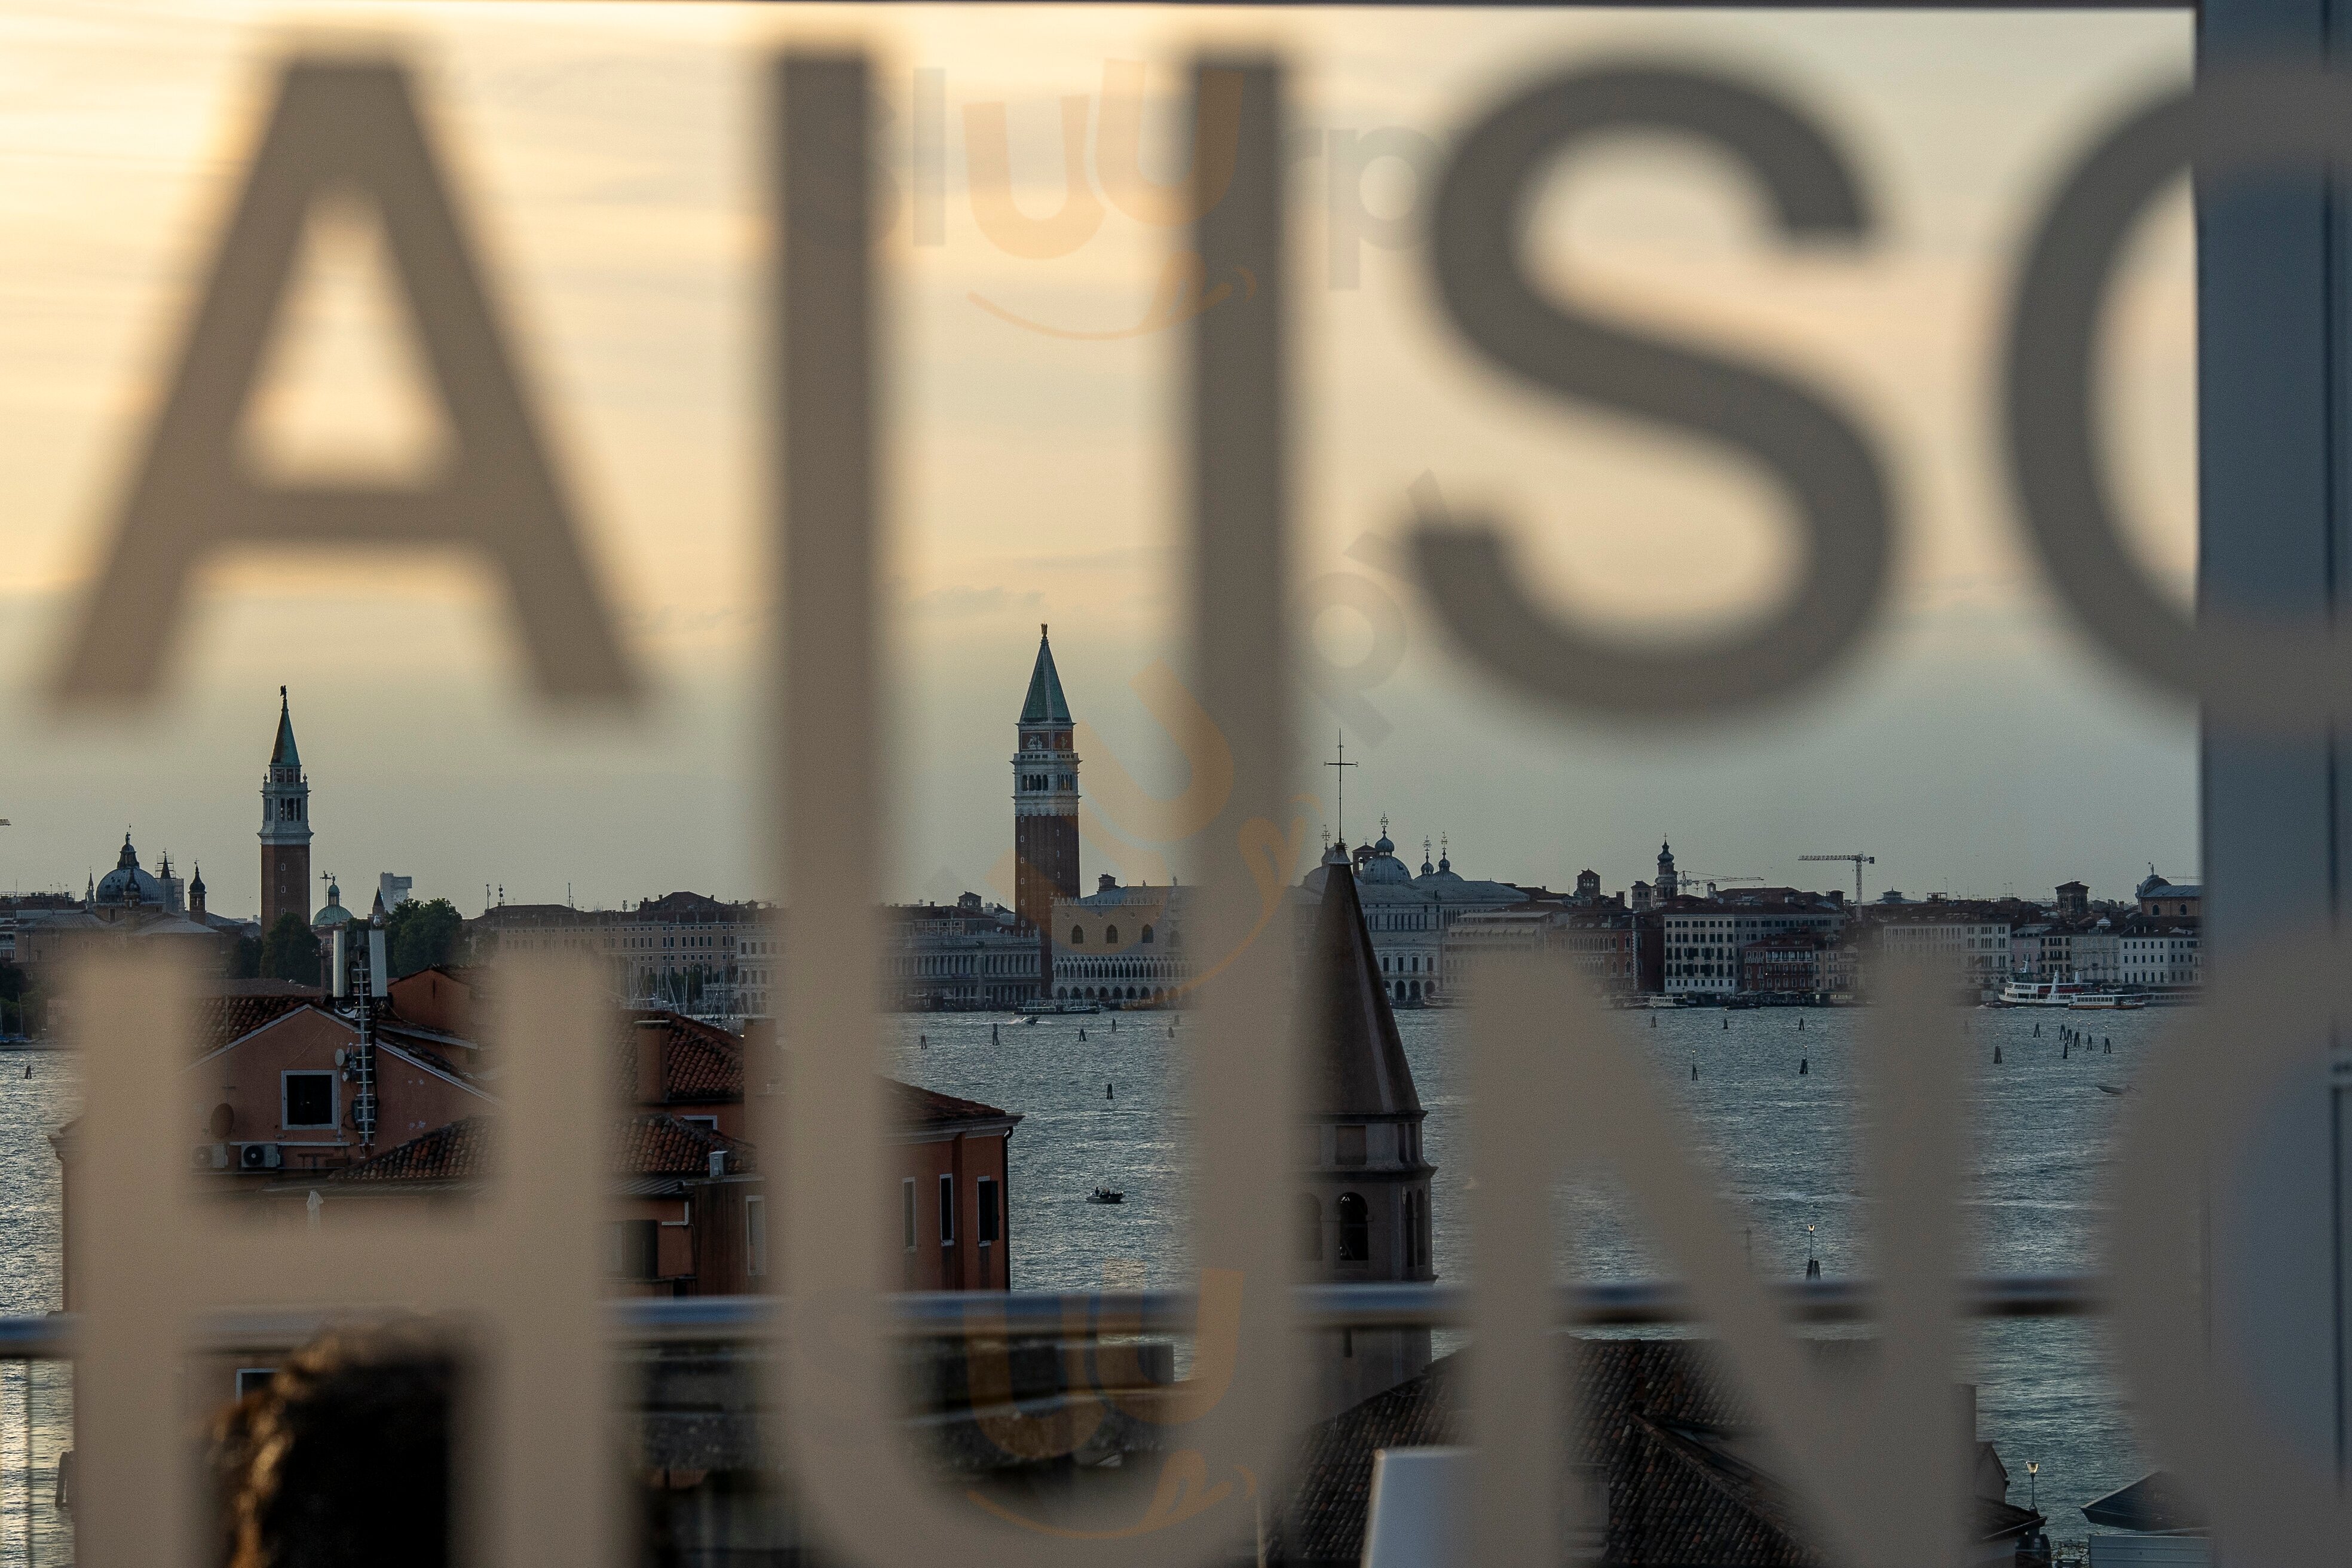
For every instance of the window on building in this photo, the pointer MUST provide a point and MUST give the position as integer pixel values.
(755, 1236)
(709, 1121)
(1355, 1228)
(1110, 936)
(907, 1210)
(989, 1222)
(310, 1099)
(946, 1211)
(1146, 935)
(1310, 1228)
(1078, 936)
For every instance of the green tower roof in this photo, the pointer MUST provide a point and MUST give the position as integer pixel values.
(1046, 705)
(284, 755)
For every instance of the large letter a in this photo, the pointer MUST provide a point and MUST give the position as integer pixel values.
(349, 127)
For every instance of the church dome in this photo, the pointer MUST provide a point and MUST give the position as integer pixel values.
(334, 915)
(129, 883)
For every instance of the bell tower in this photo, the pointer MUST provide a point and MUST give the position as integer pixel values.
(285, 829)
(1045, 807)
(1363, 1210)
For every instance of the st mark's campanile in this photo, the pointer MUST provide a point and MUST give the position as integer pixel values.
(1045, 807)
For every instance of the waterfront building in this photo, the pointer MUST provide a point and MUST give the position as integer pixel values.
(684, 950)
(285, 827)
(952, 957)
(2073, 898)
(2073, 949)
(1704, 938)
(1045, 805)
(291, 1110)
(2156, 953)
(2180, 901)
(1603, 945)
(1970, 938)
(1799, 965)
(46, 934)
(1408, 916)
(1363, 1211)
(1122, 945)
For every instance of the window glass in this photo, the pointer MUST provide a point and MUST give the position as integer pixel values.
(310, 1099)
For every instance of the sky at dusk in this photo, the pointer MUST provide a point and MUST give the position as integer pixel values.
(611, 157)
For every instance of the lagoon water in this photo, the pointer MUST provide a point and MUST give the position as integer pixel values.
(1782, 1146)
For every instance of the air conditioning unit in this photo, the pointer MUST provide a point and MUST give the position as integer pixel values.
(209, 1157)
(258, 1157)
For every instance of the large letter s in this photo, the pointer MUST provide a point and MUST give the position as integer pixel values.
(1824, 459)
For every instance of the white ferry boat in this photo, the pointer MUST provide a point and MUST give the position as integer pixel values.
(2040, 994)
(1065, 1005)
(2105, 1002)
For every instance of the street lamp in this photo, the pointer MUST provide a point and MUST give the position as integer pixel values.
(2033, 1485)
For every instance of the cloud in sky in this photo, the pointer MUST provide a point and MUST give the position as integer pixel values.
(611, 156)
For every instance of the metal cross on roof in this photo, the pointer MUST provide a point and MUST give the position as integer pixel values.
(1343, 762)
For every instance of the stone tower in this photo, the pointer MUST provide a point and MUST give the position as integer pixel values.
(1667, 885)
(1045, 807)
(1364, 1214)
(285, 829)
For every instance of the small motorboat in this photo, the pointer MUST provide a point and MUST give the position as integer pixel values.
(1104, 1195)
(2111, 1089)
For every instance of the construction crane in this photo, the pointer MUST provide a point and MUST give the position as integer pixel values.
(1858, 862)
(1712, 879)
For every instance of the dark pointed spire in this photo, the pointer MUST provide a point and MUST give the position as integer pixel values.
(1359, 1067)
(1045, 704)
(284, 755)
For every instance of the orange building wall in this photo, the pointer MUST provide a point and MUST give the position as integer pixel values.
(968, 1265)
(246, 1077)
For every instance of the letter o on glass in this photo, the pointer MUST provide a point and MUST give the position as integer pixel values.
(1819, 458)
(2259, 675)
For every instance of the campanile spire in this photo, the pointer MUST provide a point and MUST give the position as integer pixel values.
(285, 828)
(1045, 805)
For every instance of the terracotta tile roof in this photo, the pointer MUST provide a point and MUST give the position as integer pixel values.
(1661, 1422)
(648, 1144)
(700, 1062)
(221, 1019)
(927, 1107)
(459, 1152)
(660, 1145)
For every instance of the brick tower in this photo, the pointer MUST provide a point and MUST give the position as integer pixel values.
(285, 829)
(1044, 808)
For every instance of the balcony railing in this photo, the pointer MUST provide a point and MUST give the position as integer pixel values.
(951, 1314)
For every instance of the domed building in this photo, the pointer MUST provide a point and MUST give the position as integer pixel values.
(1406, 916)
(130, 889)
(333, 914)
